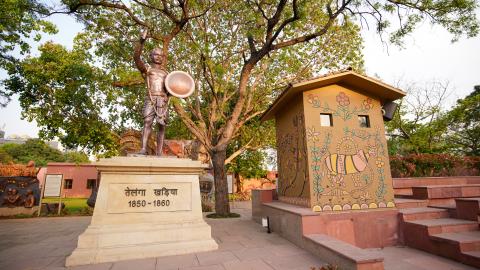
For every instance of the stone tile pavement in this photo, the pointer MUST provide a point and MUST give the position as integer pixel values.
(44, 243)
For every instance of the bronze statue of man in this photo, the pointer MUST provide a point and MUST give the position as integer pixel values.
(156, 99)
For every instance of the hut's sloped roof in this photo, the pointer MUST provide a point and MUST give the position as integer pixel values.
(371, 86)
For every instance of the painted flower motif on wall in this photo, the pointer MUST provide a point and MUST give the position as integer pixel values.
(343, 100)
(313, 135)
(364, 197)
(367, 104)
(314, 100)
(379, 162)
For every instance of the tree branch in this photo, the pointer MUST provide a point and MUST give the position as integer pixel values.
(109, 5)
(192, 126)
(238, 152)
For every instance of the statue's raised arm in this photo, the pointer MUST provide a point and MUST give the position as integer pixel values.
(137, 54)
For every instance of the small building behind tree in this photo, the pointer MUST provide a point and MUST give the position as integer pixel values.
(78, 179)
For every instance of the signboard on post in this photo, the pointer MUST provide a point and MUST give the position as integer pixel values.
(53, 185)
(52, 188)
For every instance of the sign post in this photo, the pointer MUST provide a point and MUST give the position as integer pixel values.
(53, 188)
(230, 187)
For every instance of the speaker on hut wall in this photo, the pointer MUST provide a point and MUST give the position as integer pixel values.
(388, 110)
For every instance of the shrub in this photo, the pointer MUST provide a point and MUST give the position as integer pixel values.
(230, 215)
(206, 207)
(241, 196)
(428, 165)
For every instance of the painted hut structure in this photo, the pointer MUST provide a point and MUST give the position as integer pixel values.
(331, 146)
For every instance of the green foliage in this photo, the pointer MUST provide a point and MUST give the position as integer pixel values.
(243, 196)
(206, 207)
(35, 150)
(176, 129)
(20, 22)
(5, 158)
(216, 40)
(427, 142)
(458, 17)
(421, 127)
(67, 97)
(38, 151)
(464, 125)
(76, 157)
(73, 206)
(249, 164)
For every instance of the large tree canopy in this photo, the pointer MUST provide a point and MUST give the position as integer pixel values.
(19, 19)
(423, 125)
(66, 96)
(419, 125)
(241, 52)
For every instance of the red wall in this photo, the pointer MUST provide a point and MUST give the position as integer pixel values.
(79, 173)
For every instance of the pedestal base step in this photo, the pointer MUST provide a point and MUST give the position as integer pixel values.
(82, 256)
(114, 236)
(344, 255)
(100, 244)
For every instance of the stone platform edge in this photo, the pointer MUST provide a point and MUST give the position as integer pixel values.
(305, 211)
(85, 256)
(337, 237)
(345, 255)
(150, 164)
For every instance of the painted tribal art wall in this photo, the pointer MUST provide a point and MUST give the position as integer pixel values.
(293, 185)
(348, 161)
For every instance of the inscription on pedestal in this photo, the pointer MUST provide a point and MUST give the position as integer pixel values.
(149, 197)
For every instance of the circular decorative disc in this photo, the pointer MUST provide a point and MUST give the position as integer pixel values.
(179, 84)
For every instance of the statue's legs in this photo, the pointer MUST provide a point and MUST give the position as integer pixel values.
(160, 137)
(147, 130)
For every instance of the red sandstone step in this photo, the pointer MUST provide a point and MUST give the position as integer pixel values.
(403, 203)
(344, 254)
(400, 192)
(468, 208)
(449, 206)
(431, 181)
(419, 213)
(445, 225)
(446, 191)
(466, 241)
(474, 199)
(457, 246)
(471, 258)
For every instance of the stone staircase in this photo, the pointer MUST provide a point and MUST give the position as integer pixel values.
(441, 216)
(403, 186)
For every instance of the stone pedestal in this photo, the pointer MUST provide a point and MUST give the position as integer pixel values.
(146, 207)
(6, 211)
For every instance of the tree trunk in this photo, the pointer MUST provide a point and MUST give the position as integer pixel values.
(221, 189)
(238, 183)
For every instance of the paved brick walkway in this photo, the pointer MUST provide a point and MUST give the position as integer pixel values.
(44, 243)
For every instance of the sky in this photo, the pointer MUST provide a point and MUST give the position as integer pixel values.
(428, 55)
